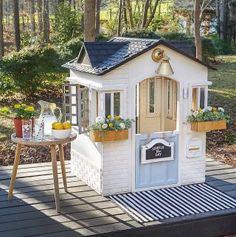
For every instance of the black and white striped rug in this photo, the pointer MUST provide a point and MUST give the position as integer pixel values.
(161, 204)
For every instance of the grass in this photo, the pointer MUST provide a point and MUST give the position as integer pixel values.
(223, 90)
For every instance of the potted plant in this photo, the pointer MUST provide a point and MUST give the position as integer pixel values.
(110, 129)
(24, 113)
(208, 119)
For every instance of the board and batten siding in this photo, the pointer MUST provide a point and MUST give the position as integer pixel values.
(116, 170)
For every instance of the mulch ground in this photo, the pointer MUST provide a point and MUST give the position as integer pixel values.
(32, 154)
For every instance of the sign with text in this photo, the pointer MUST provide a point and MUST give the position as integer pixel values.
(157, 150)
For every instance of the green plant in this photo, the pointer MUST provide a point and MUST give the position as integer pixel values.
(66, 24)
(5, 110)
(209, 51)
(110, 123)
(208, 114)
(23, 111)
(230, 137)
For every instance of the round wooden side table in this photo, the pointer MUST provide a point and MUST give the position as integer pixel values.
(52, 143)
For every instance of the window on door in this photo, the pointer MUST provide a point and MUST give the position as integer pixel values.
(171, 93)
(112, 103)
(199, 98)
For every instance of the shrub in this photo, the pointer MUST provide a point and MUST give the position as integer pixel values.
(221, 46)
(66, 24)
(209, 51)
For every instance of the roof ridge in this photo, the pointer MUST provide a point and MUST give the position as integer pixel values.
(133, 38)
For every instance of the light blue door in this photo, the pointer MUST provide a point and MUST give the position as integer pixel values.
(159, 173)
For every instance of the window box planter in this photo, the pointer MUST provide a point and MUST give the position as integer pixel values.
(106, 136)
(207, 126)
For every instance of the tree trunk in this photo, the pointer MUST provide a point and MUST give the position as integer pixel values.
(145, 13)
(188, 24)
(197, 24)
(129, 6)
(32, 16)
(16, 24)
(40, 17)
(1, 30)
(98, 4)
(46, 26)
(120, 19)
(153, 11)
(125, 15)
(89, 20)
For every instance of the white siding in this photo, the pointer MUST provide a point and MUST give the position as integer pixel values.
(116, 167)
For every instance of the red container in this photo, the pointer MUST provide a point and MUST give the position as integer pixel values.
(18, 127)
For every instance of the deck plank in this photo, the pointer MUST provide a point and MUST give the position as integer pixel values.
(83, 211)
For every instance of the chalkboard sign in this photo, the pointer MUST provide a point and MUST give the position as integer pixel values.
(157, 150)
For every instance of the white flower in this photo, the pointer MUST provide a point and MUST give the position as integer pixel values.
(208, 108)
(195, 113)
(122, 125)
(221, 109)
(104, 126)
(99, 119)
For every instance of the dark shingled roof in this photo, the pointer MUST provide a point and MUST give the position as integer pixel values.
(102, 57)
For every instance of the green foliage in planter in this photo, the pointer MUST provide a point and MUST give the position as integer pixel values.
(111, 123)
(208, 114)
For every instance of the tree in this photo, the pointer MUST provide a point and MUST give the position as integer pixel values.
(1, 30)
(89, 20)
(32, 17)
(39, 13)
(148, 7)
(46, 26)
(120, 18)
(98, 5)
(16, 24)
(197, 24)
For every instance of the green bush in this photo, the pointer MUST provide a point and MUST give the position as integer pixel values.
(222, 47)
(209, 51)
(36, 68)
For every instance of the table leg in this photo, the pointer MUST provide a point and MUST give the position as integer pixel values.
(63, 169)
(55, 177)
(14, 171)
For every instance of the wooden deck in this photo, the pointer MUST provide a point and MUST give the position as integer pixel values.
(83, 212)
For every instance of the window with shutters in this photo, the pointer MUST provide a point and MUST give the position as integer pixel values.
(76, 105)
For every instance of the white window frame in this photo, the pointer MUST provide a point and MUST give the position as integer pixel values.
(157, 103)
(199, 96)
(103, 102)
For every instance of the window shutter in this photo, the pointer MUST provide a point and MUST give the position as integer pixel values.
(76, 105)
(70, 103)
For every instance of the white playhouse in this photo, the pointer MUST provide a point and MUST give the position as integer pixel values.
(154, 82)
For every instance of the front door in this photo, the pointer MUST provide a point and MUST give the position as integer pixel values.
(156, 118)
(157, 105)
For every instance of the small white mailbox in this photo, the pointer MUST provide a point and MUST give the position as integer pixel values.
(126, 76)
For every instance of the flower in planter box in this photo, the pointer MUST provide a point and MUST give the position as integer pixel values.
(122, 125)
(208, 114)
(109, 123)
